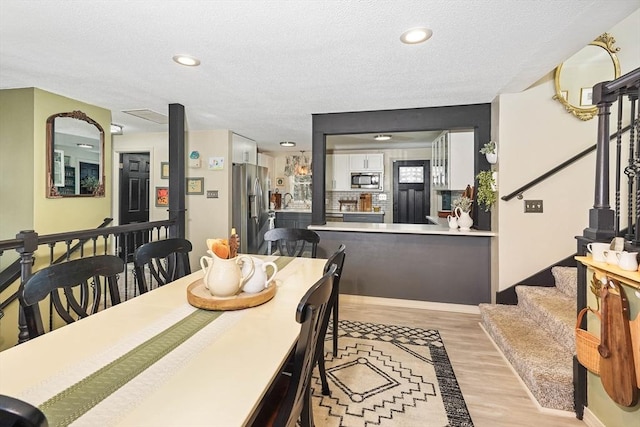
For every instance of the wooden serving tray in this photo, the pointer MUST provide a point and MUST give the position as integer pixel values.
(199, 296)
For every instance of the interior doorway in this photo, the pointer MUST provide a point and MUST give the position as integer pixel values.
(411, 191)
(134, 199)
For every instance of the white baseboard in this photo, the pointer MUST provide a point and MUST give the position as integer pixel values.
(590, 419)
(550, 411)
(406, 303)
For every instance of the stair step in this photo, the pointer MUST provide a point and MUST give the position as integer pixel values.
(552, 310)
(545, 366)
(566, 279)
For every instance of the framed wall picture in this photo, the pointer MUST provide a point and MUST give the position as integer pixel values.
(164, 170)
(279, 181)
(195, 185)
(162, 196)
(586, 97)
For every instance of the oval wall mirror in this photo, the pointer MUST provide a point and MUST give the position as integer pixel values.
(75, 156)
(575, 78)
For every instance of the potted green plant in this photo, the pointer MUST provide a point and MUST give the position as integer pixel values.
(464, 203)
(486, 193)
(91, 183)
(490, 150)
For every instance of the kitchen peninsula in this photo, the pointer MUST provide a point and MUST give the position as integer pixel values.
(411, 261)
(301, 218)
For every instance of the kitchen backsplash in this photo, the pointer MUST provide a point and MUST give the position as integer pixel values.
(332, 198)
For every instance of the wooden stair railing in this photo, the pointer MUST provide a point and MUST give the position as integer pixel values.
(518, 192)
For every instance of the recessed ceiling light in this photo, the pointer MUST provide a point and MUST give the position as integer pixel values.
(382, 137)
(85, 145)
(187, 60)
(288, 144)
(416, 35)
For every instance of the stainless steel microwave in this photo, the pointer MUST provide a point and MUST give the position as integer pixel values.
(366, 180)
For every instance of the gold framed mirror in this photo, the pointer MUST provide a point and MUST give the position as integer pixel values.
(75, 156)
(574, 79)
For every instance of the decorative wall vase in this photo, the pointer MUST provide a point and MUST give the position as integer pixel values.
(464, 219)
(492, 158)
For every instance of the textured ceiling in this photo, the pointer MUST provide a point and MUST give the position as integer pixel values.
(268, 65)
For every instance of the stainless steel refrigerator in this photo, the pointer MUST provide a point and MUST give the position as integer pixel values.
(250, 209)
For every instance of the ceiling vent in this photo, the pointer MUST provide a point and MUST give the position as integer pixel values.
(150, 115)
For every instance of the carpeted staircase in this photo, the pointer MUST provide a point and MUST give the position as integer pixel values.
(537, 337)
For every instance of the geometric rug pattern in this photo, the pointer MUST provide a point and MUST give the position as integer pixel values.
(387, 375)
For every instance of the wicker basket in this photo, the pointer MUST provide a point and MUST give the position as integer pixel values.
(587, 344)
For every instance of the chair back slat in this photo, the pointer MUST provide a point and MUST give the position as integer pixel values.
(81, 283)
(160, 262)
(292, 241)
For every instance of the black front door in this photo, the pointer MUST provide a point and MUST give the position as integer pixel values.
(134, 199)
(411, 191)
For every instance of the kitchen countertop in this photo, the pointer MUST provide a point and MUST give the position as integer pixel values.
(398, 229)
(329, 211)
(297, 210)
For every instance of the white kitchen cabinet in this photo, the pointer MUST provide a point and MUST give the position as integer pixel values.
(338, 177)
(452, 161)
(244, 150)
(366, 162)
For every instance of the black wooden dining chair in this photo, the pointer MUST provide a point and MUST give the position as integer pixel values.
(17, 413)
(82, 282)
(289, 398)
(292, 241)
(160, 262)
(336, 259)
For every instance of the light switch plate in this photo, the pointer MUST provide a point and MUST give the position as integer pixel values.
(533, 206)
(212, 194)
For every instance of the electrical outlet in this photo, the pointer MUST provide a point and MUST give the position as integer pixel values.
(212, 194)
(382, 197)
(533, 206)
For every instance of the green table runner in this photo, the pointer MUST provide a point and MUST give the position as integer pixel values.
(70, 404)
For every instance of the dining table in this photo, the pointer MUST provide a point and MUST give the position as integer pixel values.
(156, 360)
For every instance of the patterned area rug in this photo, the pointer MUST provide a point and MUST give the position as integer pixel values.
(386, 375)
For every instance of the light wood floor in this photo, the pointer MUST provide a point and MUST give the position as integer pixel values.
(494, 395)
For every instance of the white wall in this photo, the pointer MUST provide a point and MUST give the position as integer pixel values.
(535, 134)
(206, 218)
(209, 218)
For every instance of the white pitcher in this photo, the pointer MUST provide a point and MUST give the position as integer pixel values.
(464, 219)
(628, 260)
(611, 257)
(259, 280)
(453, 221)
(223, 277)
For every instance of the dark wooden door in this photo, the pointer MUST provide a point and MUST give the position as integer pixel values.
(411, 191)
(134, 199)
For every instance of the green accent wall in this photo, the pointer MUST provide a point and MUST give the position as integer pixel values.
(16, 164)
(75, 213)
(23, 202)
